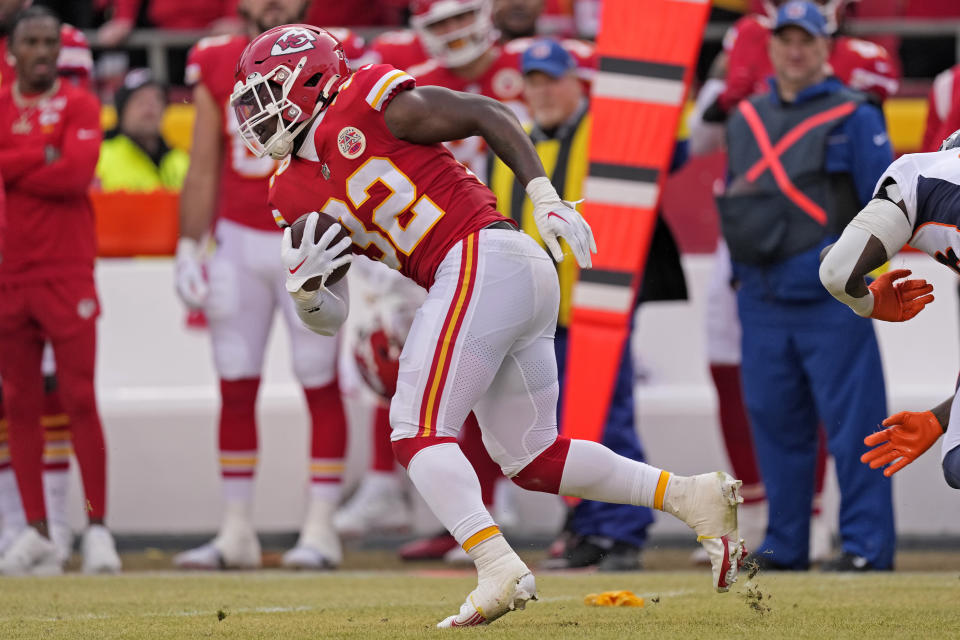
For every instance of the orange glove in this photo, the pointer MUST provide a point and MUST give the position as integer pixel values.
(899, 301)
(907, 436)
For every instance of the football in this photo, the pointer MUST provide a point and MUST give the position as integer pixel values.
(296, 235)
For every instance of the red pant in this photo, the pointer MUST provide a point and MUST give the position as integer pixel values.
(63, 313)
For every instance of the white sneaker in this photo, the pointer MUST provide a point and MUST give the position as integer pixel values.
(235, 547)
(821, 539)
(99, 551)
(62, 536)
(495, 597)
(377, 505)
(708, 504)
(8, 535)
(31, 554)
(319, 545)
(457, 556)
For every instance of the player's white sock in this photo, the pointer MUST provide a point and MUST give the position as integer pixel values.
(12, 517)
(325, 491)
(238, 490)
(493, 556)
(449, 486)
(56, 485)
(594, 472)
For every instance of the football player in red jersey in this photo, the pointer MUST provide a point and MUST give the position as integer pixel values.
(860, 64)
(74, 63)
(364, 147)
(240, 295)
(47, 293)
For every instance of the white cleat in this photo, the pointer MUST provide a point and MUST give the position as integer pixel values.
(99, 551)
(8, 535)
(377, 505)
(491, 600)
(457, 556)
(305, 556)
(62, 536)
(708, 504)
(319, 545)
(31, 554)
(231, 549)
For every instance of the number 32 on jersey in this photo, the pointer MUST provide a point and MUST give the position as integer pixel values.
(401, 220)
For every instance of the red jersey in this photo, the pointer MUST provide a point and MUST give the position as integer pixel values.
(50, 229)
(943, 116)
(75, 60)
(400, 49)
(242, 193)
(860, 64)
(404, 204)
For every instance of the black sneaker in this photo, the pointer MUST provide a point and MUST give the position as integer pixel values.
(621, 557)
(759, 561)
(848, 562)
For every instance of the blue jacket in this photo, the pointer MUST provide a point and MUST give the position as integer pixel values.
(859, 146)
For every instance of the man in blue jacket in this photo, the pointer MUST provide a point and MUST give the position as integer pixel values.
(803, 160)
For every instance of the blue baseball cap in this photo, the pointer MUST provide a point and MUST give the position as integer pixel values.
(549, 57)
(806, 15)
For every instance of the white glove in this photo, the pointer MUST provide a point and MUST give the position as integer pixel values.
(188, 274)
(312, 259)
(556, 218)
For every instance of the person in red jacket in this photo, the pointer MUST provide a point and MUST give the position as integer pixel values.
(75, 64)
(48, 152)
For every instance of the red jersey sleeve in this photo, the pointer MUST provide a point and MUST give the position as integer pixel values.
(865, 66)
(72, 173)
(747, 61)
(380, 83)
(209, 65)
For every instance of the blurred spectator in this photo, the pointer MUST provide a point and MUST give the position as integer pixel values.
(802, 160)
(134, 156)
(943, 113)
(47, 288)
(219, 16)
(516, 18)
(353, 13)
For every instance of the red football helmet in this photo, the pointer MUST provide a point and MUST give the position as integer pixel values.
(285, 77)
(457, 46)
(377, 354)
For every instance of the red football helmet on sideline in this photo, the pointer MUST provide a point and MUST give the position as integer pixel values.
(833, 10)
(458, 45)
(285, 77)
(377, 354)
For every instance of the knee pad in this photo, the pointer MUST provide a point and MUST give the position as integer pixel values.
(951, 468)
(545, 472)
(406, 448)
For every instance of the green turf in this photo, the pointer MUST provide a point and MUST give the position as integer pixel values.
(274, 604)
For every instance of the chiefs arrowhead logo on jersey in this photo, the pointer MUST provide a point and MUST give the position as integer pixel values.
(352, 142)
(293, 41)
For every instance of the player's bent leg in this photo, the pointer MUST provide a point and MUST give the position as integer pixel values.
(707, 503)
(951, 467)
(447, 482)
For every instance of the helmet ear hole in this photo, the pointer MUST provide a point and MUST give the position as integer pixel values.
(313, 80)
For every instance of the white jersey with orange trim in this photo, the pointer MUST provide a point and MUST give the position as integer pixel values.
(930, 187)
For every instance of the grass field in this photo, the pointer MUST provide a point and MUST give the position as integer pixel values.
(406, 604)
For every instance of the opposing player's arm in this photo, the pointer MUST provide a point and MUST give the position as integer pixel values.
(427, 115)
(199, 191)
(878, 232)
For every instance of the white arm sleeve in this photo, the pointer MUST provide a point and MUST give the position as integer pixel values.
(881, 219)
(323, 311)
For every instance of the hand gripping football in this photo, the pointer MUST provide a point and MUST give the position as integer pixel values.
(296, 236)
